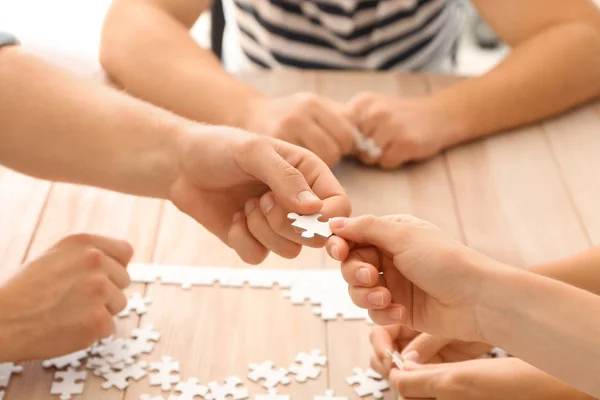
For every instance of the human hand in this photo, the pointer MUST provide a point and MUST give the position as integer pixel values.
(430, 282)
(307, 120)
(64, 300)
(404, 129)
(484, 379)
(241, 187)
(418, 347)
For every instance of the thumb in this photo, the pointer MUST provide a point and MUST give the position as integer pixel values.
(385, 233)
(287, 182)
(422, 348)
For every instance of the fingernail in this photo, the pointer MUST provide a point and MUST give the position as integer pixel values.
(412, 356)
(307, 197)
(338, 222)
(267, 202)
(375, 298)
(363, 276)
(334, 252)
(237, 217)
(396, 314)
(250, 206)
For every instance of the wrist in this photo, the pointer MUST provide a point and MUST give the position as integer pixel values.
(452, 125)
(251, 109)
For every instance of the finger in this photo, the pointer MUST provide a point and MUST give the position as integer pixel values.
(424, 347)
(376, 298)
(382, 339)
(317, 140)
(331, 118)
(383, 232)
(115, 300)
(393, 157)
(274, 163)
(261, 230)
(338, 248)
(116, 273)
(119, 250)
(383, 368)
(392, 315)
(241, 240)
(414, 384)
(359, 269)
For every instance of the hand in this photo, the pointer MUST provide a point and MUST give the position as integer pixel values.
(64, 300)
(486, 379)
(404, 129)
(241, 186)
(419, 348)
(430, 282)
(307, 120)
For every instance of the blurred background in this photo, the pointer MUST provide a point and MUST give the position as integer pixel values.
(68, 32)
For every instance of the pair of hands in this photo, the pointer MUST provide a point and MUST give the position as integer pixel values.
(404, 129)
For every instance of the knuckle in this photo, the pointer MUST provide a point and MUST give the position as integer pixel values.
(121, 303)
(92, 258)
(308, 100)
(98, 285)
(449, 382)
(291, 252)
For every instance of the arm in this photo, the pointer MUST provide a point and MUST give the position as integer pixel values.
(68, 129)
(549, 324)
(581, 270)
(554, 65)
(146, 48)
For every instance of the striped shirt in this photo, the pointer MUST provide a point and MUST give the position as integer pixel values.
(410, 35)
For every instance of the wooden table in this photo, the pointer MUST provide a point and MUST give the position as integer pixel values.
(523, 197)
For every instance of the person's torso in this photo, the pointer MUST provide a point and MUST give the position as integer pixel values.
(349, 34)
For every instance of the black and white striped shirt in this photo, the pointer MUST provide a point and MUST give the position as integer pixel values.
(412, 35)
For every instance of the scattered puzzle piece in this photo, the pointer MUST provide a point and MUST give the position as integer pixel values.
(6, 371)
(272, 395)
(68, 383)
(329, 396)
(72, 360)
(272, 376)
(146, 334)
(230, 388)
(164, 376)
(305, 365)
(119, 351)
(189, 390)
(119, 379)
(369, 383)
(311, 224)
(136, 303)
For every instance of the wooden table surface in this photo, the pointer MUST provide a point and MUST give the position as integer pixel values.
(523, 197)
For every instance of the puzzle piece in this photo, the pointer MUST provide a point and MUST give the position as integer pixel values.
(146, 334)
(397, 359)
(72, 360)
(68, 383)
(365, 144)
(272, 395)
(304, 366)
(100, 366)
(230, 388)
(136, 303)
(189, 390)
(369, 383)
(329, 396)
(6, 371)
(119, 351)
(119, 379)
(311, 225)
(272, 376)
(163, 377)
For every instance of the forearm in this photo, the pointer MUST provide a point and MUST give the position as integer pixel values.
(546, 323)
(581, 270)
(153, 57)
(548, 74)
(59, 127)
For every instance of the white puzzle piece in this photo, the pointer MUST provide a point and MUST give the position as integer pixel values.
(164, 375)
(67, 383)
(100, 366)
(329, 395)
(120, 379)
(230, 390)
(367, 383)
(6, 371)
(137, 304)
(305, 365)
(366, 145)
(119, 351)
(272, 395)
(72, 360)
(311, 225)
(189, 390)
(270, 375)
